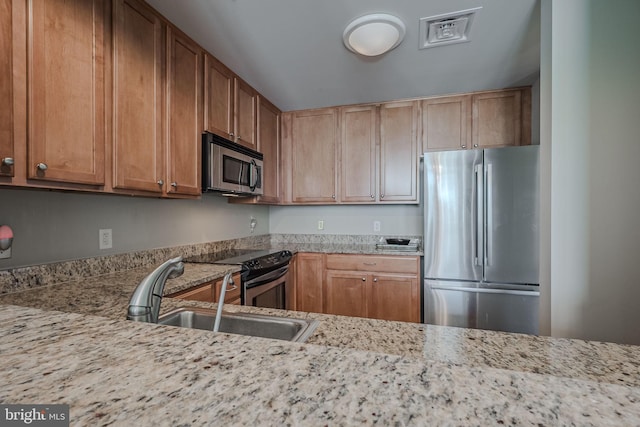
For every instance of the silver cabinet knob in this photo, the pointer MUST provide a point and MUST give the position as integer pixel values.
(7, 161)
(160, 182)
(475, 145)
(174, 184)
(333, 196)
(463, 146)
(372, 196)
(42, 166)
(375, 279)
(382, 196)
(364, 279)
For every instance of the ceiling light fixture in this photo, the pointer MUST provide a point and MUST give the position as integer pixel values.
(373, 35)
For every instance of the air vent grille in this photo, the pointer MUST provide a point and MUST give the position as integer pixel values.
(446, 29)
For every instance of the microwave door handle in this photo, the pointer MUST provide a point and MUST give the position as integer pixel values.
(253, 169)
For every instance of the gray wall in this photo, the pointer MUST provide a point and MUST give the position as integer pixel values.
(55, 226)
(401, 220)
(595, 152)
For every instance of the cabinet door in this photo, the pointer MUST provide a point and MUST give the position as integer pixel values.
(269, 146)
(346, 293)
(314, 139)
(245, 114)
(218, 89)
(358, 150)
(66, 91)
(446, 123)
(399, 152)
(7, 157)
(138, 140)
(394, 297)
(309, 272)
(184, 114)
(496, 119)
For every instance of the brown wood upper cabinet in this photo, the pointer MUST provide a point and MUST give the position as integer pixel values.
(138, 144)
(399, 152)
(66, 90)
(158, 108)
(230, 104)
(359, 132)
(311, 141)
(184, 114)
(245, 114)
(269, 146)
(379, 153)
(480, 120)
(7, 154)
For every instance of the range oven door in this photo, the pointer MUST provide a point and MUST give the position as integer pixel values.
(272, 290)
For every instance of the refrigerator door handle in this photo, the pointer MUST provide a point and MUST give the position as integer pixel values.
(485, 290)
(479, 221)
(488, 224)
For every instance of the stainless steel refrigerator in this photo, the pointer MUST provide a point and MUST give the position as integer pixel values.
(481, 238)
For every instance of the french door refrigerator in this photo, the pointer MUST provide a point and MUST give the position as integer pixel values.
(481, 238)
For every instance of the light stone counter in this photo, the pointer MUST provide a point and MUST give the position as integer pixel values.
(114, 372)
(351, 370)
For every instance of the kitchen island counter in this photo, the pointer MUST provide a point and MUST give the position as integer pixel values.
(115, 372)
(108, 296)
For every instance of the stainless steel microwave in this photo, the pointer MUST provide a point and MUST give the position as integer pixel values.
(229, 168)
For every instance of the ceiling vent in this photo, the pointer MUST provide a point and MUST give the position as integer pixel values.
(446, 29)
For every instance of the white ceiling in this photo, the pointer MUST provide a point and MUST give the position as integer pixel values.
(292, 52)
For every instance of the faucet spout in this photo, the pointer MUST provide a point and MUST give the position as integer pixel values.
(144, 305)
(223, 291)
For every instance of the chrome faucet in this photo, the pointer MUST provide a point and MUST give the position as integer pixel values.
(144, 305)
(223, 291)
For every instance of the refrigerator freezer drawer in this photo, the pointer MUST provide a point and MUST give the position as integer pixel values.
(469, 305)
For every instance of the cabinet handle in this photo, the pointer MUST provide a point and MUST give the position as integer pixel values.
(475, 145)
(375, 279)
(333, 196)
(42, 166)
(231, 134)
(364, 279)
(463, 146)
(8, 161)
(160, 182)
(174, 184)
(369, 263)
(382, 196)
(372, 196)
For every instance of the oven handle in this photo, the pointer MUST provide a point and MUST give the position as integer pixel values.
(266, 278)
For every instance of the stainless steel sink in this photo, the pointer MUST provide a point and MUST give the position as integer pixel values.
(256, 325)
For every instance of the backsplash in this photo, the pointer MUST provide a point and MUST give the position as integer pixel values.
(22, 278)
(333, 239)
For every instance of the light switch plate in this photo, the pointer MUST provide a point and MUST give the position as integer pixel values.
(321, 225)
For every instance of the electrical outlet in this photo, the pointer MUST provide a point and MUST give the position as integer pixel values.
(5, 254)
(320, 225)
(376, 225)
(105, 238)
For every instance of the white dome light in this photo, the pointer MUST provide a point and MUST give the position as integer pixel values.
(373, 35)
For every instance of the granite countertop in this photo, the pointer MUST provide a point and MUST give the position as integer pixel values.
(338, 248)
(351, 370)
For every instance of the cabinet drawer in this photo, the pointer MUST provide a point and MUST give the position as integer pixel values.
(373, 263)
(231, 294)
(200, 293)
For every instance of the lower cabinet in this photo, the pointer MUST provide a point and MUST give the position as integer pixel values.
(210, 291)
(373, 286)
(232, 295)
(309, 272)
